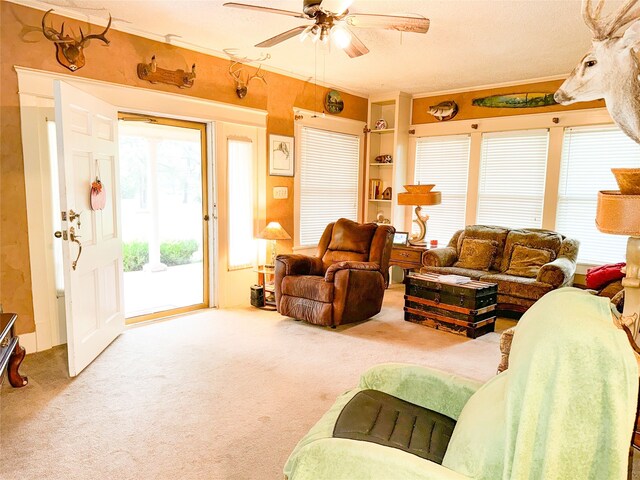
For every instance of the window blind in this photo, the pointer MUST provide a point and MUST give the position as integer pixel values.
(329, 167)
(241, 191)
(588, 154)
(512, 178)
(444, 161)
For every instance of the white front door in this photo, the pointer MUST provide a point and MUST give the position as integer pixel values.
(87, 137)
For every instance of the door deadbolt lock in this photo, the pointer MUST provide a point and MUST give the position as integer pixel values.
(60, 234)
(74, 216)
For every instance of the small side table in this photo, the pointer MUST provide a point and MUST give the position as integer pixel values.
(266, 278)
(11, 353)
(407, 257)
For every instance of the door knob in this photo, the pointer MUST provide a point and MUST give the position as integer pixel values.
(58, 234)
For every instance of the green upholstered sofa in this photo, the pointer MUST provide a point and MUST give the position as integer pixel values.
(525, 263)
(564, 409)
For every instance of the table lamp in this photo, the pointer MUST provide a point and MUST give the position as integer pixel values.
(274, 232)
(619, 213)
(419, 195)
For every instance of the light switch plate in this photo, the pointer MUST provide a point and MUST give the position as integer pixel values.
(280, 193)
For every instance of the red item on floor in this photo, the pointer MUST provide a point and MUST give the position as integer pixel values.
(598, 277)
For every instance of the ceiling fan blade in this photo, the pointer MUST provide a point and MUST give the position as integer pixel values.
(337, 7)
(401, 23)
(264, 9)
(282, 37)
(356, 48)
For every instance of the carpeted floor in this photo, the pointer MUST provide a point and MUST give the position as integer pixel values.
(213, 395)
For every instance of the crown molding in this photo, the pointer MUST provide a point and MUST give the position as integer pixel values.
(491, 86)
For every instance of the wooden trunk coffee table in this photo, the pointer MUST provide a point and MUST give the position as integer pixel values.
(464, 309)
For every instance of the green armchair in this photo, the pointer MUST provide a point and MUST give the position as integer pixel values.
(564, 409)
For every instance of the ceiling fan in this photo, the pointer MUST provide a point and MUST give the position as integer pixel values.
(331, 18)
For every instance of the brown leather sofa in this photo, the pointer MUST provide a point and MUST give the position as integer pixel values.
(525, 263)
(344, 282)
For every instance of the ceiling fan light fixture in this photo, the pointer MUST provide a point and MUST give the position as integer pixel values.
(324, 34)
(310, 31)
(341, 36)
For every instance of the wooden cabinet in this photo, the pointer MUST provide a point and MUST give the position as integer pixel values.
(394, 110)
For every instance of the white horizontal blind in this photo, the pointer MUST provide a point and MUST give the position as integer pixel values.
(512, 178)
(329, 166)
(588, 154)
(241, 191)
(444, 161)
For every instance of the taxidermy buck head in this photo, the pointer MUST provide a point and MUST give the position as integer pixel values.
(69, 51)
(610, 69)
(242, 83)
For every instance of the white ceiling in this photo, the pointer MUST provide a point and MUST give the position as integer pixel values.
(470, 42)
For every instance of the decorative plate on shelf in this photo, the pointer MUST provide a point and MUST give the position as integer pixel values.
(381, 124)
(333, 102)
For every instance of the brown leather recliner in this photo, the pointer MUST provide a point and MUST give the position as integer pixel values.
(344, 282)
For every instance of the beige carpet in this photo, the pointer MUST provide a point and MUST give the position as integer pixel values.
(214, 395)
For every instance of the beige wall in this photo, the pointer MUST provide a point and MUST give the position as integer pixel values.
(467, 111)
(22, 44)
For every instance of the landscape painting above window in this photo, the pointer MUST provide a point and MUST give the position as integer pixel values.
(516, 100)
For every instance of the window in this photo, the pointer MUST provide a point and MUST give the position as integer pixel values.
(588, 154)
(512, 178)
(241, 186)
(329, 166)
(444, 161)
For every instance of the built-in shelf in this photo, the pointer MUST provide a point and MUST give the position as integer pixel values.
(378, 164)
(383, 201)
(384, 130)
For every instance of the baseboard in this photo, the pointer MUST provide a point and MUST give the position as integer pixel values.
(28, 341)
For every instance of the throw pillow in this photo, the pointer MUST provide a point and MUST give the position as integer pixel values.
(477, 254)
(526, 261)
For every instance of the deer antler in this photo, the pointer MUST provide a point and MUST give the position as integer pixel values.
(603, 29)
(235, 73)
(257, 75)
(52, 34)
(625, 15)
(100, 36)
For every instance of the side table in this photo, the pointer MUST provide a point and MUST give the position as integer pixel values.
(266, 278)
(11, 353)
(407, 257)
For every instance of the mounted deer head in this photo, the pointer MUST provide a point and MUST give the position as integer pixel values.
(610, 70)
(242, 85)
(69, 51)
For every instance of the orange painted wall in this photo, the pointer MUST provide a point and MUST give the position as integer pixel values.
(467, 111)
(22, 44)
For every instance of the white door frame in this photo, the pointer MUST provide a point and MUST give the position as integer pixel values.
(36, 103)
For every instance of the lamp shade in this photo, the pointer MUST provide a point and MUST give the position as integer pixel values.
(419, 195)
(274, 231)
(618, 213)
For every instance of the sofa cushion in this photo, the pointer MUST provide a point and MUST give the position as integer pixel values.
(476, 254)
(352, 236)
(465, 272)
(533, 238)
(526, 261)
(377, 417)
(311, 287)
(522, 287)
(487, 232)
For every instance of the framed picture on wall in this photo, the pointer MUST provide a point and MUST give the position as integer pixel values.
(281, 155)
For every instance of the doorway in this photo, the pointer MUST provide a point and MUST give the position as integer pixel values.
(163, 198)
